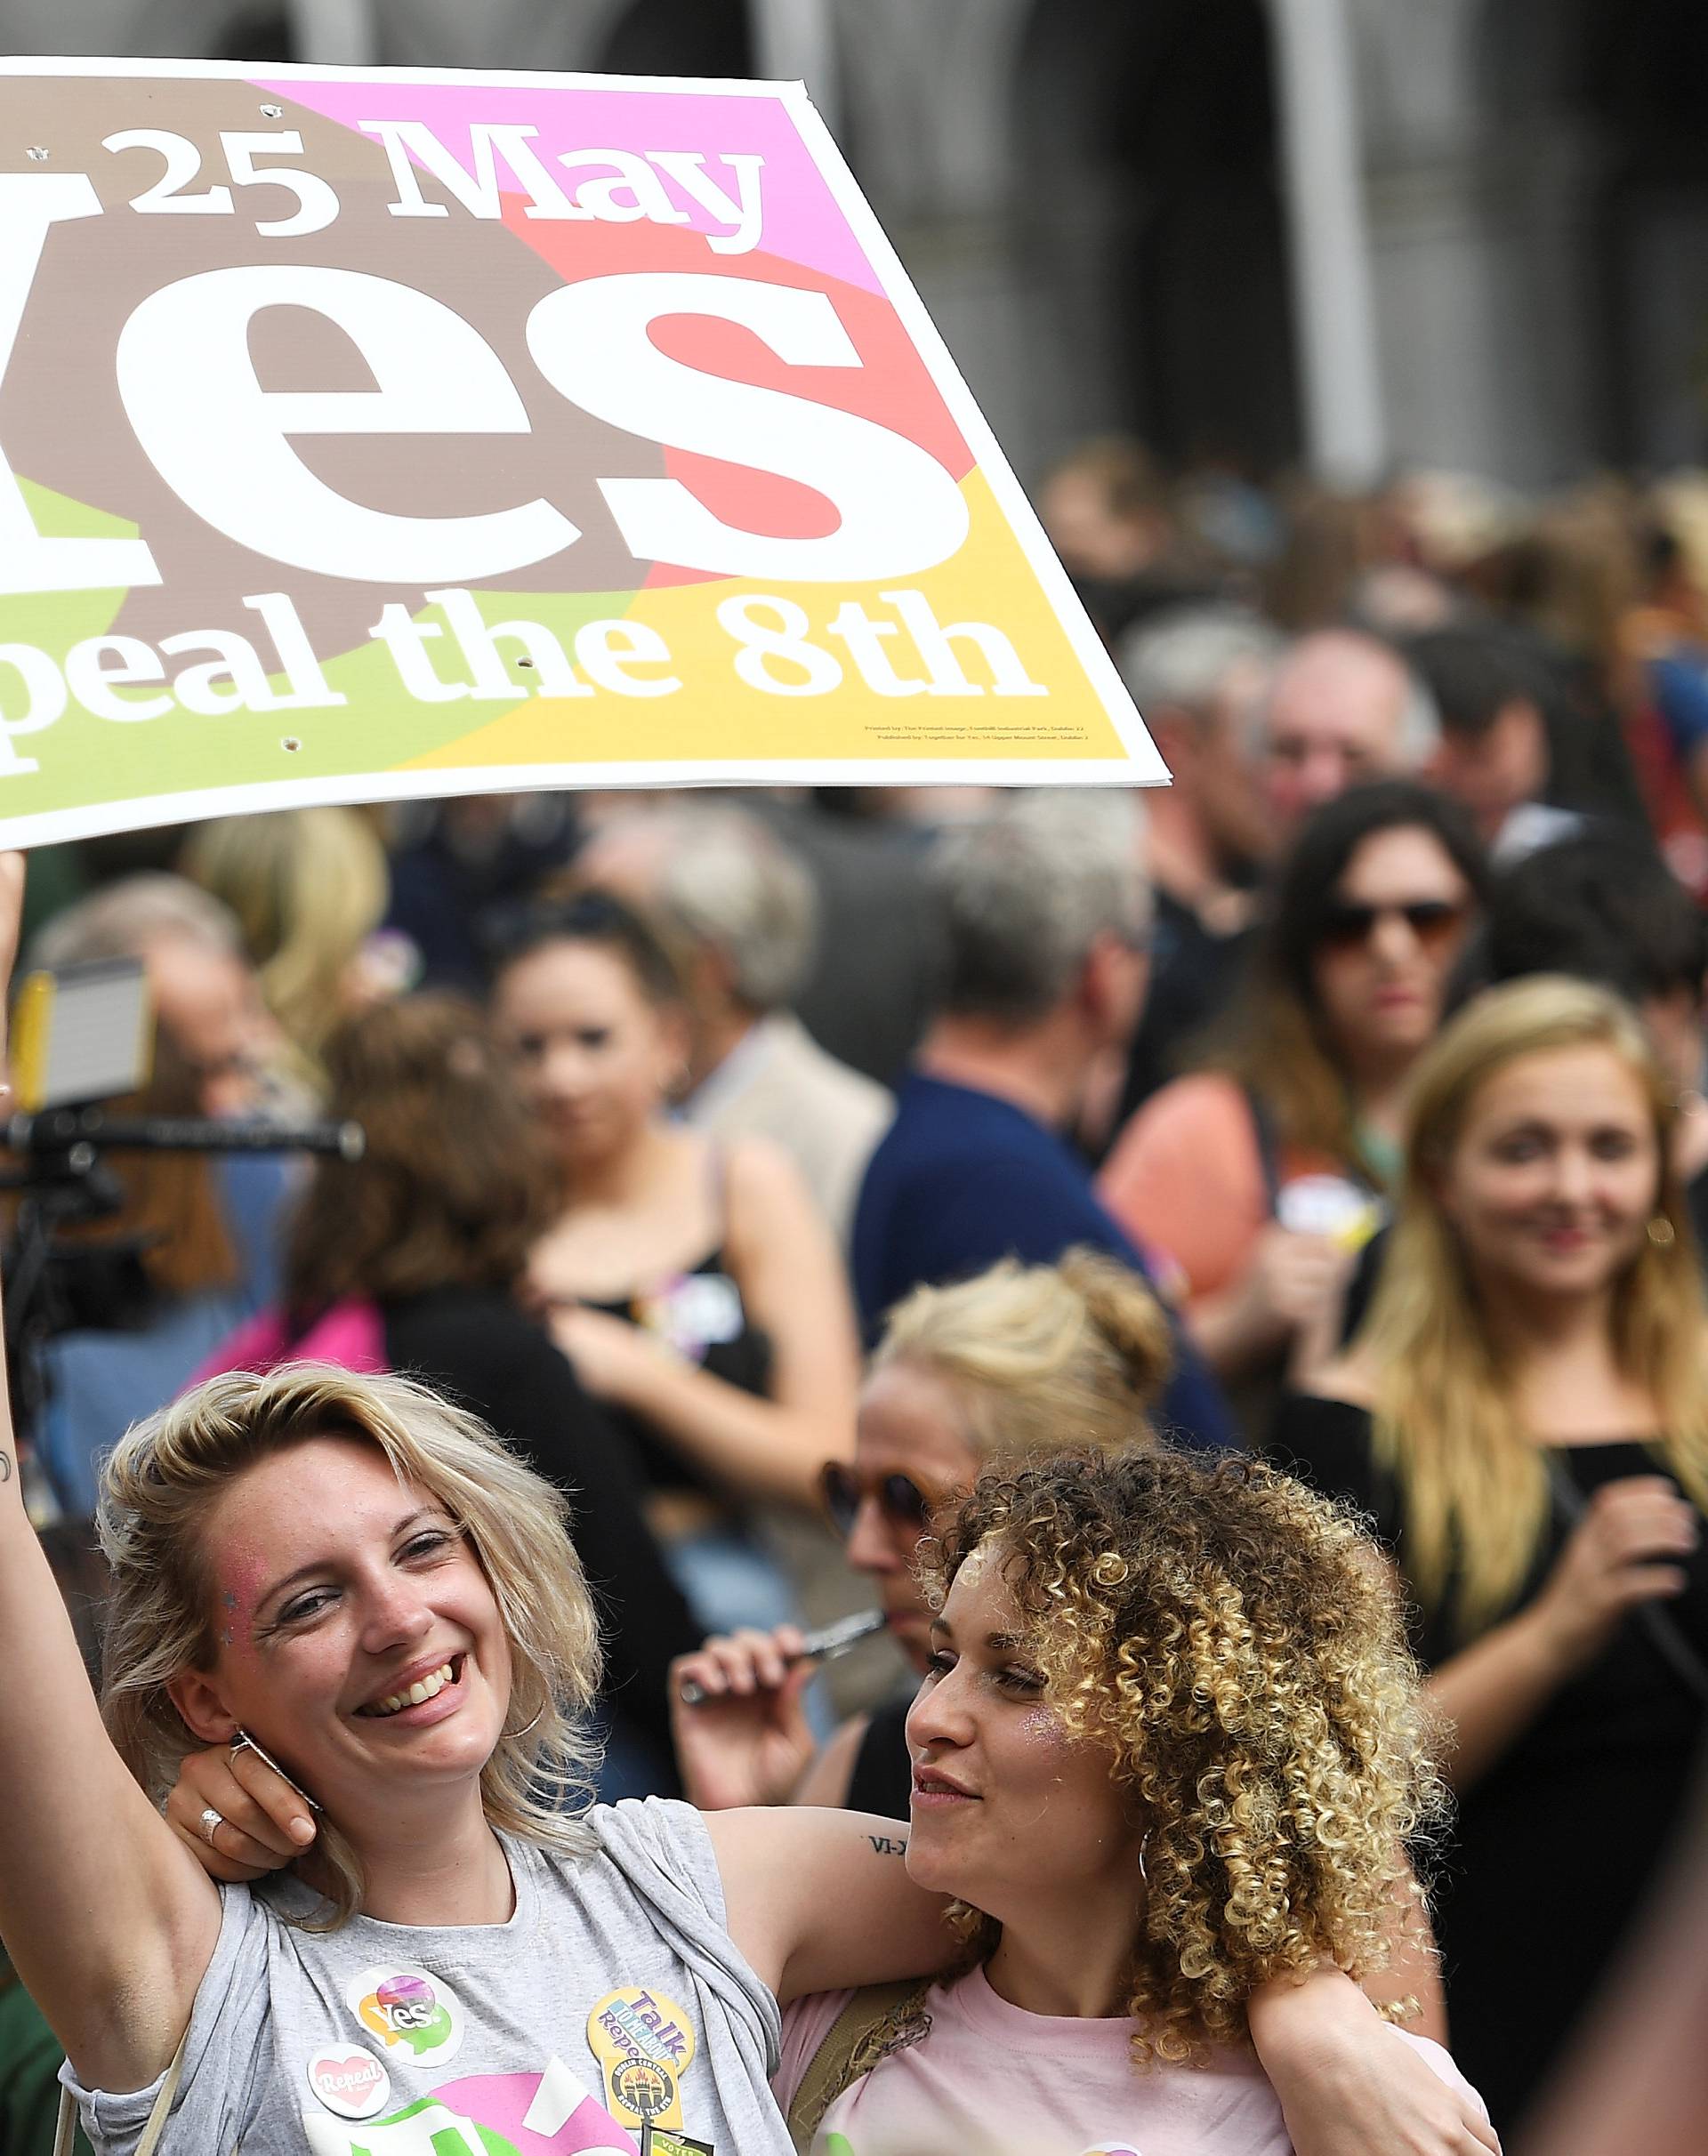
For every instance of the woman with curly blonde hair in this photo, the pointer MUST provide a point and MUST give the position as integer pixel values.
(1169, 1748)
(1017, 1360)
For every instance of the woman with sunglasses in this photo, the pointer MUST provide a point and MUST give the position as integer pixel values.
(694, 1286)
(1261, 1173)
(1018, 1361)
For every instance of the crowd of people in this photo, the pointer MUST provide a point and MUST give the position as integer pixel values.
(1218, 1270)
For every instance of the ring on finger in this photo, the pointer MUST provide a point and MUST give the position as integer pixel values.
(210, 1823)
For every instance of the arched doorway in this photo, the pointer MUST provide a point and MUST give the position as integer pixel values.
(1618, 90)
(708, 37)
(1150, 204)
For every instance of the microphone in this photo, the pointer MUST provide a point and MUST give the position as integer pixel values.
(64, 1130)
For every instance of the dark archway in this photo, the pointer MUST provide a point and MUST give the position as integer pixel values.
(258, 32)
(1626, 81)
(710, 37)
(1149, 190)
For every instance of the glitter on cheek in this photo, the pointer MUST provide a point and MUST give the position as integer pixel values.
(1043, 1726)
(238, 1598)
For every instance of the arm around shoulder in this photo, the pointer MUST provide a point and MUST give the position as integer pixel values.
(818, 1899)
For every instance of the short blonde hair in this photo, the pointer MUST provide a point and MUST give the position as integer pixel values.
(1041, 1356)
(160, 1483)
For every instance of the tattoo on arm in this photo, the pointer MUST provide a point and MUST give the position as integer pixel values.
(6, 1467)
(887, 1844)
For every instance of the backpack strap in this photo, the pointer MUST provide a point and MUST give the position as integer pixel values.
(879, 2019)
(157, 2111)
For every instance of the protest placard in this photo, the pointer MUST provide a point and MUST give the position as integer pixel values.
(367, 434)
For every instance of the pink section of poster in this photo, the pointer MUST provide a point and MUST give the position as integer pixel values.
(801, 221)
(503, 2101)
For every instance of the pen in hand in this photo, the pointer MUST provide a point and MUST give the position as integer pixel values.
(823, 1645)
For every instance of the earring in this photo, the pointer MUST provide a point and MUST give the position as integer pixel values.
(1662, 1234)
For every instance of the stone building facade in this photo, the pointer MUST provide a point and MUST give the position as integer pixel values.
(1118, 209)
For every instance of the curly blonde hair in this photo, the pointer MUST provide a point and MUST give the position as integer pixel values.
(163, 1479)
(1229, 1639)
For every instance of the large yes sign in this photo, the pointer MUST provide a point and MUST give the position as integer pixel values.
(223, 443)
(369, 434)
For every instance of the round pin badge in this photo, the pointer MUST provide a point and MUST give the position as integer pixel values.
(349, 2080)
(415, 2015)
(643, 2088)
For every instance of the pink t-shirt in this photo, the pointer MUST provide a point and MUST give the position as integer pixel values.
(992, 2080)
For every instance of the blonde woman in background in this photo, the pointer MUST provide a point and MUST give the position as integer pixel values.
(1526, 1414)
(1018, 1361)
(309, 887)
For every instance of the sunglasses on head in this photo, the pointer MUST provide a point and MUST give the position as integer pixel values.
(903, 1504)
(1432, 921)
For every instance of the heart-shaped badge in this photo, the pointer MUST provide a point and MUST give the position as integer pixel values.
(350, 2082)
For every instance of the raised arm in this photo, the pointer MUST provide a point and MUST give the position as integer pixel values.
(108, 1922)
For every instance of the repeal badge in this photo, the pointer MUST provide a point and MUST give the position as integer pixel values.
(349, 2081)
(644, 2044)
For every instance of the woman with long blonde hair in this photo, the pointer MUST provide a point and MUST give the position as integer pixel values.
(1525, 1413)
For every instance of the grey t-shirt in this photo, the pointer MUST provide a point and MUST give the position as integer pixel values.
(614, 1977)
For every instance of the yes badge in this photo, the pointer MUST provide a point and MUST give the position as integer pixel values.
(417, 2018)
(644, 2044)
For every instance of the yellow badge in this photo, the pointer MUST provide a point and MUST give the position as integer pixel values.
(644, 2044)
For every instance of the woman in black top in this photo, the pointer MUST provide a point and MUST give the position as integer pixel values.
(406, 1259)
(1526, 1414)
(696, 1287)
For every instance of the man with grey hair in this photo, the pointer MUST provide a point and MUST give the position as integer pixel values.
(1047, 912)
(1343, 706)
(200, 982)
(739, 912)
(1198, 674)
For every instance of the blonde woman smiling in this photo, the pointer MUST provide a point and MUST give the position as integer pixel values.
(1525, 1413)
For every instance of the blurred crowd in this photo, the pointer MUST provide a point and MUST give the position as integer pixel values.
(763, 1164)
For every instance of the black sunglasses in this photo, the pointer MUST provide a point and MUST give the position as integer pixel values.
(903, 1505)
(1432, 921)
